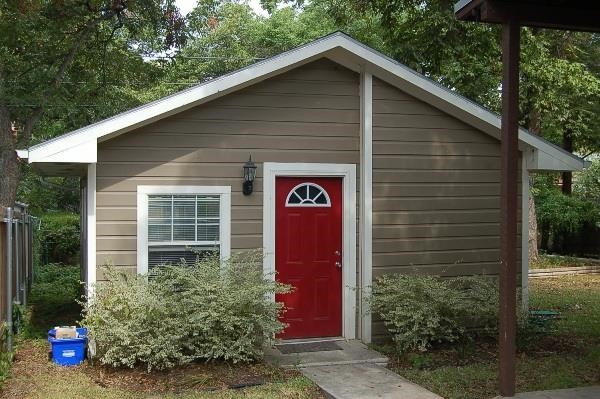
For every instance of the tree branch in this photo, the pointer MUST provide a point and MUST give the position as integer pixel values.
(588, 154)
(66, 63)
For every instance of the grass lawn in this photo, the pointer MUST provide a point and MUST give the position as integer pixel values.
(568, 357)
(545, 261)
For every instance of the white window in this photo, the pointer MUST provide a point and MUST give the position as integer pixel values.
(308, 194)
(182, 222)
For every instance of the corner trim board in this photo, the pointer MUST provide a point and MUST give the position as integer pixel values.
(91, 229)
(366, 202)
(348, 173)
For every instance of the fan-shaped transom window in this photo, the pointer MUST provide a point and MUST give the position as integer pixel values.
(308, 194)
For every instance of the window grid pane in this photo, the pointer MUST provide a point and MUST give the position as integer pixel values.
(189, 218)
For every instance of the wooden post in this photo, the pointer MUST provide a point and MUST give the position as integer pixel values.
(508, 205)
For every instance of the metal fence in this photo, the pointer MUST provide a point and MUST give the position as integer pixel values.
(16, 261)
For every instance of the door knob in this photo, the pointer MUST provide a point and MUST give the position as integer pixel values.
(338, 253)
(338, 264)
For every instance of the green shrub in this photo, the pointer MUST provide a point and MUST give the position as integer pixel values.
(55, 284)
(53, 299)
(476, 301)
(586, 184)
(421, 310)
(564, 214)
(567, 223)
(6, 357)
(59, 238)
(414, 310)
(202, 311)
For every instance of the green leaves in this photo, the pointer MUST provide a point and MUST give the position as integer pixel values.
(225, 36)
(587, 183)
(208, 310)
(566, 222)
(563, 213)
(559, 70)
(419, 311)
(59, 238)
(560, 84)
(74, 53)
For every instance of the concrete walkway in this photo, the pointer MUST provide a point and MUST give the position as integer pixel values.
(364, 381)
(574, 393)
(353, 372)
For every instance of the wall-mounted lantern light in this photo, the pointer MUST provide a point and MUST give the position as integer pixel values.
(249, 175)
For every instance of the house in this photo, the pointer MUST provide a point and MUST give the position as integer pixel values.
(365, 167)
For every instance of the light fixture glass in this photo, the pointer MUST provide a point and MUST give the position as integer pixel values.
(249, 175)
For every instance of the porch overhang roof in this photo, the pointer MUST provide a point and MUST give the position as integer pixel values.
(583, 15)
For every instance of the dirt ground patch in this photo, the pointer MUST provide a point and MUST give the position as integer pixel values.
(206, 377)
(34, 376)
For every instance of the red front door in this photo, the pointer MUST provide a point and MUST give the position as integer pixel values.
(308, 254)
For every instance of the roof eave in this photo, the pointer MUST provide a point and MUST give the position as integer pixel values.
(77, 146)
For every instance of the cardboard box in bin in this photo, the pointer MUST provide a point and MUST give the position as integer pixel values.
(66, 332)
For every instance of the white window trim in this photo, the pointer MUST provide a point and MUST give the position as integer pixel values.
(348, 173)
(143, 192)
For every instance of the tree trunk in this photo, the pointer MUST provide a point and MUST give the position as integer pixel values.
(567, 177)
(10, 171)
(9, 163)
(534, 127)
(533, 231)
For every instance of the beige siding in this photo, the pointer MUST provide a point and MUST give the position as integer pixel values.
(307, 115)
(436, 180)
(436, 188)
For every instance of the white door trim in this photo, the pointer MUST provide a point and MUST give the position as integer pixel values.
(348, 173)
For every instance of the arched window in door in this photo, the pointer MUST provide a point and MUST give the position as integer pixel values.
(308, 194)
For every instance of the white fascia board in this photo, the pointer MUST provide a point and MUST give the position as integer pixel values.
(338, 47)
(549, 157)
(541, 160)
(189, 98)
(417, 85)
(85, 152)
(23, 154)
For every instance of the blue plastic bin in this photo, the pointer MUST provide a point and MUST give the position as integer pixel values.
(68, 351)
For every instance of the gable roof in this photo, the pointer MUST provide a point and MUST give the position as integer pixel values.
(80, 146)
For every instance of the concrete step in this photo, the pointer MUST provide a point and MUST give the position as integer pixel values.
(352, 352)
